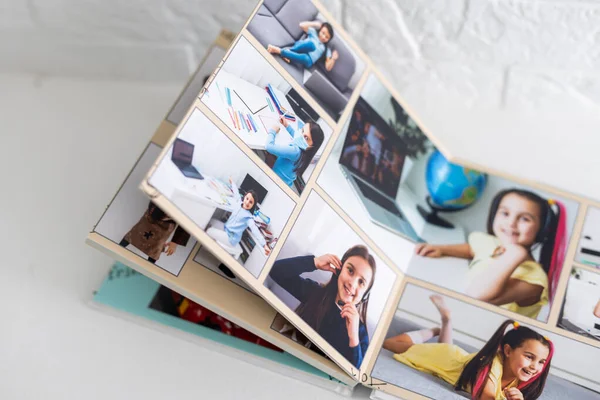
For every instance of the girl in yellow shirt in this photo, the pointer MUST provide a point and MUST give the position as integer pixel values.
(503, 270)
(512, 365)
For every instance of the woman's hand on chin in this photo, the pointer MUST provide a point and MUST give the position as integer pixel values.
(325, 262)
(350, 313)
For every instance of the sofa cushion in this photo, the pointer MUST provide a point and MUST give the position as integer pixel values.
(344, 67)
(274, 5)
(560, 388)
(267, 29)
(325, 92)
(295, 70)
(293, 12)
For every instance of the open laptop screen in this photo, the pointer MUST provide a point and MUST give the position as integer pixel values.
(183, 152)
(373, 150)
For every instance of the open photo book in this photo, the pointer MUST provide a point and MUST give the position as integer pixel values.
(299, 196)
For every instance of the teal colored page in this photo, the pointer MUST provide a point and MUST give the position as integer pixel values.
(127, 290)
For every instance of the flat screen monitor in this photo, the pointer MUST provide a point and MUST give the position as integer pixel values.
(250, 183)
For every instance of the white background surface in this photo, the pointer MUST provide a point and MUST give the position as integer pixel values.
(510, 84)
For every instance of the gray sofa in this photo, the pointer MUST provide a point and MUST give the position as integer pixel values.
(277, 23)
(389, 370)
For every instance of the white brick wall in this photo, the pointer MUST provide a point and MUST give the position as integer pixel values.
(540, 55)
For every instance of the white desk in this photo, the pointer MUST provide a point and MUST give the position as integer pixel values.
(255, 98)
(199, 199)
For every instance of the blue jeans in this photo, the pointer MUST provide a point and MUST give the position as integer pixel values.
(298, 52)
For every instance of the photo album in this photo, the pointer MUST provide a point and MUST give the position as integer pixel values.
(292, 192)
(133, 296)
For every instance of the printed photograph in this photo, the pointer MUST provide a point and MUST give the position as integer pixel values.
(206, 176)
(580, 312)
(443, 348)
(332, 280)
(172, 303)
(138, 225)
(588, 251)
(478, 234)
(299, 38)
(283, 326)
(505, 247)
(263, 110)
(371, 169)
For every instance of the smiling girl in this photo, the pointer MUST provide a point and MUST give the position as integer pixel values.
(503, 270)
(293, 158)
(512, 365)
(337, 310)
(241, 217)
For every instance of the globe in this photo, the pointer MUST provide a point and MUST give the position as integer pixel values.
(451, 188)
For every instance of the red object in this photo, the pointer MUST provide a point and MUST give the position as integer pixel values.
(195, 313)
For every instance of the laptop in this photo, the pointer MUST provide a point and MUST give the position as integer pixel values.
(182, 156)
(371, 160)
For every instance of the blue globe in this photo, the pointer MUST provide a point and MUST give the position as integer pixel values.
(452, 187)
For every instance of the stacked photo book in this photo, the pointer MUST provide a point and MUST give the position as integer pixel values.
(293, 210)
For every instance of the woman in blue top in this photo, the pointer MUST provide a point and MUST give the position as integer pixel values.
(294, 157)
(308, 51)
(337, 310)
(241, 217)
